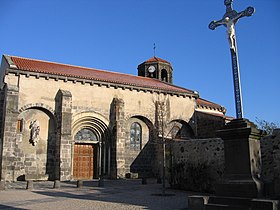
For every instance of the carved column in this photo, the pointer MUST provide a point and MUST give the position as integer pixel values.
(64, 143)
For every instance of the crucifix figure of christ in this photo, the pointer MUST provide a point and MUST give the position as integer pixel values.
(229, 20)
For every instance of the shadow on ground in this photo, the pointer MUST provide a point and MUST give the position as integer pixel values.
(130, 192)
(10, 207)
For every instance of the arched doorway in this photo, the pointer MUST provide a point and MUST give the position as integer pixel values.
(91, 148)
(85, 154)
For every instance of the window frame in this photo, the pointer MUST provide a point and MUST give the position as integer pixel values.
(135, 133)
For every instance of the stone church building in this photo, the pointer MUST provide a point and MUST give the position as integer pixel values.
(67, 122)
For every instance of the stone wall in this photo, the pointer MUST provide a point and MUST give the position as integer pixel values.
(64, 102)
(98, 100)
(206, 124)
(2, 96)
(270, 149)
(34, 161)
(139, 160)
(196, 164)
(10, 152)
(64, 128)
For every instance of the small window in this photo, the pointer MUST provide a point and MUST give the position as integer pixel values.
(135, 136)
(20, 125)
(85, 135)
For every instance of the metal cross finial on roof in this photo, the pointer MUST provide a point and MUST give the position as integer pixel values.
(154, 50)
(229, 20)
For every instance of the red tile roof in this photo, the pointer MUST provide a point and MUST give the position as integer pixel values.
(213, 114)
(205, 103)
(46, 67)
(156, 59)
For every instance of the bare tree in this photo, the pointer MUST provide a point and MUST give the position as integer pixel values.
(268, 127)
(161, 119)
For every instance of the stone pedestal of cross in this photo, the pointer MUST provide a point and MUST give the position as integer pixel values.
(229, 20)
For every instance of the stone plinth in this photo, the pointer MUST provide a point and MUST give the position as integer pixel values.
(196, 202)
(242, 186)
(2, 185)
(242, 160)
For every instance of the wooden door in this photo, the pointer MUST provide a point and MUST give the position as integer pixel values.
(83, 161)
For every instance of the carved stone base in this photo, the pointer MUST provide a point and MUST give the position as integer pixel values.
(199, 202)
(246, 189)
(242, 160)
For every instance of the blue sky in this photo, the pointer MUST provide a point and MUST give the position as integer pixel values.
(119, 35)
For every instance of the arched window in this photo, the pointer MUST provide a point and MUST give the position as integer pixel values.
(85, 135)
(135, 136)
(164, 75)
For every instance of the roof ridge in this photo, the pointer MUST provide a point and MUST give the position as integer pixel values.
(157, 59)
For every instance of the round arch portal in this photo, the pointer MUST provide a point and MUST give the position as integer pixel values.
(91, 147)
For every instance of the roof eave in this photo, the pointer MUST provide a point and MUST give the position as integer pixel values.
(14, 70)
(10, 62)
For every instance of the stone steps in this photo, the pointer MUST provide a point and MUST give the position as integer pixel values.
(238, 203)
(230, 200)
(224, 207)
(205, 202)
(228, 203)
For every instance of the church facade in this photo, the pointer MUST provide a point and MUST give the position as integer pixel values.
(68, 122)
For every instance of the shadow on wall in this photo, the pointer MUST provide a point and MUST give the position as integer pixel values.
(143, 163)
(52, 166)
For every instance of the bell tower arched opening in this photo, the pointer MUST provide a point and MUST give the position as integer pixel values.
(164, 75)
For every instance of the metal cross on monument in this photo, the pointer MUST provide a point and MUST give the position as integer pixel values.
(229, 20)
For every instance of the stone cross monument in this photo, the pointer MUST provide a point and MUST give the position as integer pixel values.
(242, 186)
(229, 20)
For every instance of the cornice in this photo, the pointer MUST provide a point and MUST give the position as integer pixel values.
(221, 109)
(91, 82)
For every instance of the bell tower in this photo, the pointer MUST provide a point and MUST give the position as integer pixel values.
(156, 68)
